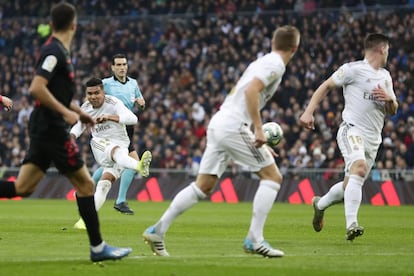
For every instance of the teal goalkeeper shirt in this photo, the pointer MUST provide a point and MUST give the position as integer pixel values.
(127, 92)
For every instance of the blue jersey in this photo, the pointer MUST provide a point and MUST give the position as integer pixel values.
(127, 92)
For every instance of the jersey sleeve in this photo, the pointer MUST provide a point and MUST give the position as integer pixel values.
(126, 116)
(106, 86)
(138, 93)
(47, 64)
(389, 87)
(343, 75)
(268, 72)
(77, 129)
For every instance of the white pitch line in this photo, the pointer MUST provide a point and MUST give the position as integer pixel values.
(201, 256)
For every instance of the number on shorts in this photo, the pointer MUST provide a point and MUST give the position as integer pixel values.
(355, 139)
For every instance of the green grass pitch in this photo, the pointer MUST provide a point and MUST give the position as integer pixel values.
(37, 238)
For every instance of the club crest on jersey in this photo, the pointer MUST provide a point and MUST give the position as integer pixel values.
(272, 77)
(340, 73)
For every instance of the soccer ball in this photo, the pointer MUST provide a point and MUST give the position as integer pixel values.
(273, 133)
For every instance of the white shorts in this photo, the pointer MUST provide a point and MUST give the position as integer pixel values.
(355, 146)
(101, 149)
(225, 145)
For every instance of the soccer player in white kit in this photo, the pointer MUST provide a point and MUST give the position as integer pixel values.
(369, 97)
(110, 140)
(230, 136)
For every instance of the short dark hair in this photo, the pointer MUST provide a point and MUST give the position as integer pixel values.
(94, 81)
(117, 56)
(373, 40)
(62, 15)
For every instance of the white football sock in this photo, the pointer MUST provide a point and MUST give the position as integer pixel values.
(121, 157)
(184, 200)
(262, 204)
(98, 248)
(352, 198)
(334, 195)
(102, 190)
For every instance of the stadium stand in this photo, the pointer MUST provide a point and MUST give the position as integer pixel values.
(186, 57)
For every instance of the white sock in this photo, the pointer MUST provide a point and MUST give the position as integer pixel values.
(334, 195)
(121, 157)
(262, 204)
(102, 190)
(184, 200)
(352, 198)
(98, 248)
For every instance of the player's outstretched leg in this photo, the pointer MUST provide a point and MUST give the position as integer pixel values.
(144, 163)
(155, 241)
(262, 248)
(317, 221)
(354, 231)
(121, 204)
(123, 208)
(110, 253)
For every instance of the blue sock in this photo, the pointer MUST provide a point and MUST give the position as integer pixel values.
(126, 180)
(97, 175)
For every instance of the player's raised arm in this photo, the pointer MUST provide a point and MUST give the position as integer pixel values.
(307, 119)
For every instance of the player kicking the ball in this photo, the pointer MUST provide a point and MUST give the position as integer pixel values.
(369, 97)
(229, 136)
(110, 140)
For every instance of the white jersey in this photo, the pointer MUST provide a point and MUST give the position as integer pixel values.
(362, 110)
(108, 130)
(233, 112)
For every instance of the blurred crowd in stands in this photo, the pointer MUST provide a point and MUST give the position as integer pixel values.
(186, 56)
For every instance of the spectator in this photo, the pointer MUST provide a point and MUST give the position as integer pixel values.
(318, 158)
(24, 112)
(199, 47)
(302, 160)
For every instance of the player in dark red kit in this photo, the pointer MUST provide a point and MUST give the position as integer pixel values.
(53, 87)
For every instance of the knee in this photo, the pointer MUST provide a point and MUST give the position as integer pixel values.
(271, 174)
(206, 183)
(86, 189)
(278, 177)
(206, 188)
(359, 168)
(22, 190)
